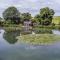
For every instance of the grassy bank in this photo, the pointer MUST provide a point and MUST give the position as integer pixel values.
(39, 39)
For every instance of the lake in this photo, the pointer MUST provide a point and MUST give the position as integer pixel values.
(19, 51)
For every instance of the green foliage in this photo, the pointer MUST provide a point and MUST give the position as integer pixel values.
(12, 14)
(46, 15)
(37, 18)
(25, 16)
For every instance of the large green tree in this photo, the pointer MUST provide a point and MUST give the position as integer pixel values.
(11, 13)
(46, 15)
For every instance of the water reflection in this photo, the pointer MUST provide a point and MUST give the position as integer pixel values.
(43, 31)
(26, 52)
(10, 37)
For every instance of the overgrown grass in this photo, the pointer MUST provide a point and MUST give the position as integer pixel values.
(39, 39)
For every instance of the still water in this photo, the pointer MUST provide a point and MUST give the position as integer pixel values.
(19, 51)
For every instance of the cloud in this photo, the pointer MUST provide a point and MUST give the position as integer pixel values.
(32, 6)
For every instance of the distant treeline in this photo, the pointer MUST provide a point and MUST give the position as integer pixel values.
(12, 16)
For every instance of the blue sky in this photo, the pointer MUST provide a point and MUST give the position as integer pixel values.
(32, 6)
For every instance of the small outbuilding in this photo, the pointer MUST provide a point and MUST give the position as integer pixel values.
(27, 25)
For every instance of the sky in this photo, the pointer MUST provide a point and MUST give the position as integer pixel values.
(31, 6)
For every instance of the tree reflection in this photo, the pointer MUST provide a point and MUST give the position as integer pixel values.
(43, 31)
(10, 37)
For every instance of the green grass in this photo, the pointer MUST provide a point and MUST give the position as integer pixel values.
(39, 39)
(56, 20)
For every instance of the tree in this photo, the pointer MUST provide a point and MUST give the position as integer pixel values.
(1, 21)
(0, 18)
(37, 18)
(12, 14)
(46, 15)
(26, 16)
